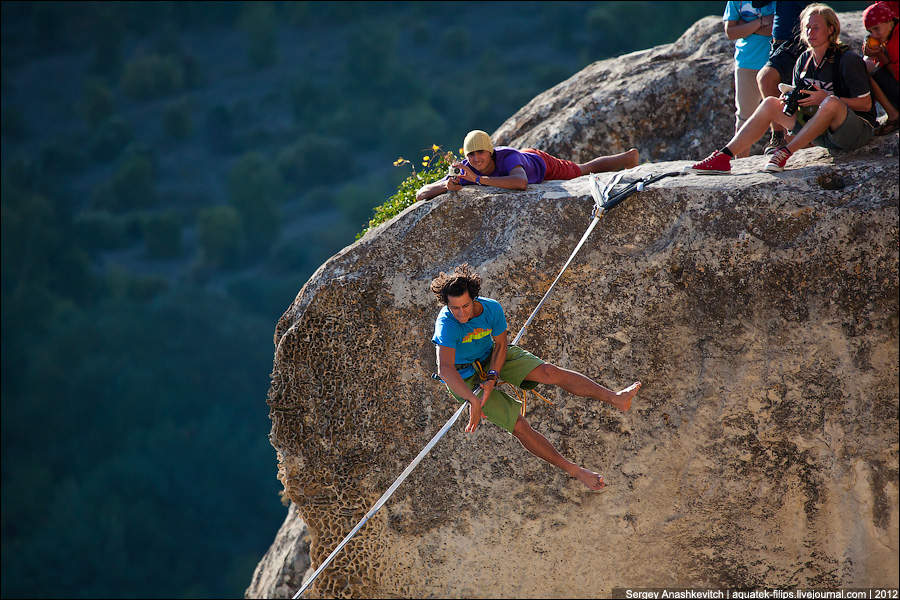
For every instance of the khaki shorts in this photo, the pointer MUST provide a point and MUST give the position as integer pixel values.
(853, 133)
(501, 409)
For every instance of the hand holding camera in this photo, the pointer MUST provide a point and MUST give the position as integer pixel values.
(453, 173)
(460, 171)
(794, 95)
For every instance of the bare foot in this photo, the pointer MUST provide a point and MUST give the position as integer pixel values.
(631, 158)
(593, 481)
(623, 397)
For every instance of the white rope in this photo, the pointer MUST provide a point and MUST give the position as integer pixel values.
(600, 197)
(384, 497)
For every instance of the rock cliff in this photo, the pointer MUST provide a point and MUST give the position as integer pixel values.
(760, 311)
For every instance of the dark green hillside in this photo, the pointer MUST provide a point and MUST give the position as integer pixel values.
(172, 173)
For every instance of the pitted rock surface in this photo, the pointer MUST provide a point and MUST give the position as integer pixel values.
(760, 312)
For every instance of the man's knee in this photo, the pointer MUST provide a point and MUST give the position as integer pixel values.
(767, 109)
(521, 427)
(834, 112)
(771, 104)
(832, 105)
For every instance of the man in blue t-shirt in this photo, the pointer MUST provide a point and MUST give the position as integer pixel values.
(472, 347)
(513, 169)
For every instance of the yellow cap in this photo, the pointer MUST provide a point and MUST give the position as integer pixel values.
(477, 140)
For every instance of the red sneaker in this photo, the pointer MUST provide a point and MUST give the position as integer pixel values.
(777, 160)
(717, 163)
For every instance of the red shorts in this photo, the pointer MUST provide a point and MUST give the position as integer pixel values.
(557, 168)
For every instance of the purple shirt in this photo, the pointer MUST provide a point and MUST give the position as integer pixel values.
(506, 159)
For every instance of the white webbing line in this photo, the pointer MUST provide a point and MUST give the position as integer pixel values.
(600, 197)
(384, 497)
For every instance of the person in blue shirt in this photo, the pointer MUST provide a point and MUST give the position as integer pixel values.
(750, 25)
(470, 335)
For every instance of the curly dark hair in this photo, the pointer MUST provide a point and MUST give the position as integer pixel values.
(464, 279)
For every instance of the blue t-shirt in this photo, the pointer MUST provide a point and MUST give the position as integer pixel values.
(473, 340)
(750, 52)
(506, 159)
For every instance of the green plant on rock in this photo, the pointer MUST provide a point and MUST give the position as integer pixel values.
(434, 167)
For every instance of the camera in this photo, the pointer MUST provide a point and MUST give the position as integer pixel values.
(454, 171)
(793, 96)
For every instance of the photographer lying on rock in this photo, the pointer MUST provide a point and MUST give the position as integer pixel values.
(470, 335)
(512, 169)
(831, 101)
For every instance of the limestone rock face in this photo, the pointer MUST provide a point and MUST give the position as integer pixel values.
(760, 312)
(672, 102)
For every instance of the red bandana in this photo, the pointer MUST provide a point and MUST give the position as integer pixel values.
(880, 12)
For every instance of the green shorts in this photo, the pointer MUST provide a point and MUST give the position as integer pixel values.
(501, 409)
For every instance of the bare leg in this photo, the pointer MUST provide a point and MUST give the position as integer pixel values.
(769, 111)
(576, 383)
(831, 114)
(614, 162)
(768, 79)
(538, 445)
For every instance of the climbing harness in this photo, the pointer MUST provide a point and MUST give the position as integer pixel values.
(602, 204)
(520, 394)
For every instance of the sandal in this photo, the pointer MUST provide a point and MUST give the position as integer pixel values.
(887, 127)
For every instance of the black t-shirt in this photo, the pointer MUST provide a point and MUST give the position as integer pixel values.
(854, 77)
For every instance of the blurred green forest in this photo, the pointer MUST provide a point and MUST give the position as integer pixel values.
(172, 173)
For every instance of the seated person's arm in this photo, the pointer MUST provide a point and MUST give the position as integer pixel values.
(862, 103)
(498, 356)
(856, 83)
(817, 96)
(516, 180)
